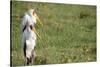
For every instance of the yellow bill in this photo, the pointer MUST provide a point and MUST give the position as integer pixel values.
(38, 19)
(33, 29)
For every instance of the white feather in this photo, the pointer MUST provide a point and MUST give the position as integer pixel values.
(28, 36)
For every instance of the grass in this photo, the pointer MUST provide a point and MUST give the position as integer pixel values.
(68, 34)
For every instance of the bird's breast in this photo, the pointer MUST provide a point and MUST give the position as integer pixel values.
(29, 34)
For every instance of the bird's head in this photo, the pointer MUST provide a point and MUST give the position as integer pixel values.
(35, 16)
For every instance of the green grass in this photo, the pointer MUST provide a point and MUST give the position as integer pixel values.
(68, 34)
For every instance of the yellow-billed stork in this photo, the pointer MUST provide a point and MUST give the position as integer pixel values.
(29, 34)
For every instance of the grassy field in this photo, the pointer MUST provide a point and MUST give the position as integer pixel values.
(68, 34)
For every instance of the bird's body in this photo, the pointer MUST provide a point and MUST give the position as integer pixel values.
(29, 35)
(30, 40)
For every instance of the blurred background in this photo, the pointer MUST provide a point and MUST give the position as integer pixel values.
(68, 33)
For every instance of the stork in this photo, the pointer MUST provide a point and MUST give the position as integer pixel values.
(29, 35)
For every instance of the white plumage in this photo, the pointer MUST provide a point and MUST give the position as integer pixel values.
(28, 35)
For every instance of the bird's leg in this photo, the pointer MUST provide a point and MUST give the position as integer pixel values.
(33, 56)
